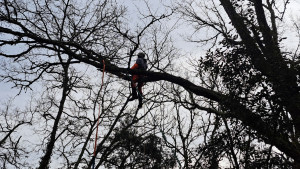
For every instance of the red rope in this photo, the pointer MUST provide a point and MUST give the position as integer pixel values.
(98, 121)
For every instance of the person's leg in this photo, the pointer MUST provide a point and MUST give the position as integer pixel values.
(140, 96)
(133, 87)
(140, 85)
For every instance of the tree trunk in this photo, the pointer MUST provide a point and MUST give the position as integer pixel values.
(45, 160)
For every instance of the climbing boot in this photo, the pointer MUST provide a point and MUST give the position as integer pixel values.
(134, 95)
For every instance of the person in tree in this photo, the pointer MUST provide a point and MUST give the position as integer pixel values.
(141, 64)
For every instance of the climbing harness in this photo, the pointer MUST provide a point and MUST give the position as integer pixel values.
(98, 120)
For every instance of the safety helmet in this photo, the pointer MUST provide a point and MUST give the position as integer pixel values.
(141, 55)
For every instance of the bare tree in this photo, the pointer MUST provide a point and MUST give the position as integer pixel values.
(258, 93)
(66, 123)
(12, 149)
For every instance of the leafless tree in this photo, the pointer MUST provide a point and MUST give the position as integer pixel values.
(257, 93)
(66, 108)
(13, 121)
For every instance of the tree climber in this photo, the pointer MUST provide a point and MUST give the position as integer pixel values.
(141, 64)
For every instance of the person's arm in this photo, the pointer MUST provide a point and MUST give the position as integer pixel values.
(135, 66)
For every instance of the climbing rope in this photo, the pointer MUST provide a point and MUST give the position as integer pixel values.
(98, 120)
